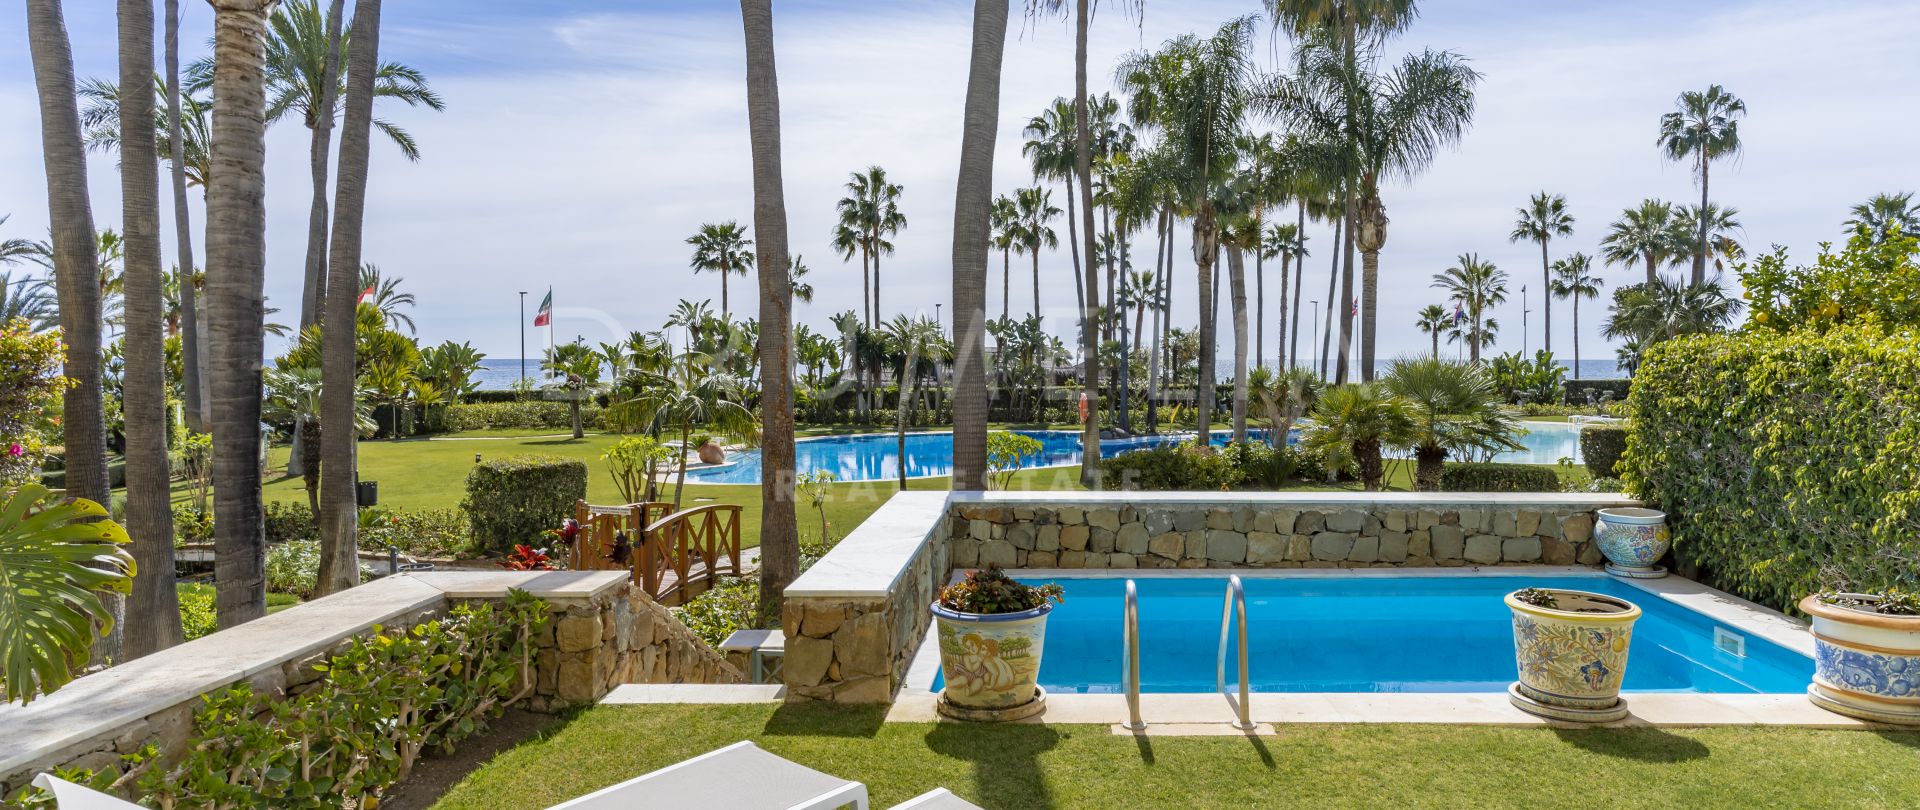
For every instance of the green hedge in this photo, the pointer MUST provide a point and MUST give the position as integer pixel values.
(513, 500)
(1785, 463)
(1477, 477)
(1601, 446)
(537, 415)
(1166, 468)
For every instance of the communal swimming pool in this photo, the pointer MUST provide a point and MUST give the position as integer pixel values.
(876, 456)
(1431, 634)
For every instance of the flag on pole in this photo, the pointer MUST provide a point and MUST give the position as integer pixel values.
(363, 296)
(545, 316)
(1356, 306)
(1458, 314)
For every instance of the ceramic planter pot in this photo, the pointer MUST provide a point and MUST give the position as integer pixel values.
(1633, 539)
(712, 453)
(1573, 656)
(991, 661)
(1866, 665)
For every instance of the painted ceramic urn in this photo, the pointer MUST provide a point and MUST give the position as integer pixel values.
(1571, 654)
(991, 662)
(1633, 539)
(1866, 664)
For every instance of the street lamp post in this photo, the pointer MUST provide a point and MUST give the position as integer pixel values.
(1523, 318)
(523, 337)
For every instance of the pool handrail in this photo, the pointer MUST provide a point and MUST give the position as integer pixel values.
(1130, 658)
(1236, 601)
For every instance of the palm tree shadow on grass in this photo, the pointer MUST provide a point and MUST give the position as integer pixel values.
(1005, 758)
(1643, 744)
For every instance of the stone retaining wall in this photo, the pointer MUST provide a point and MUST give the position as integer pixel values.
(854, 620)
(601, 632)
(1274, 531)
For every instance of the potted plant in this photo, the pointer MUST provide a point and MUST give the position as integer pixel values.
(1571, 650)
(992, 631)
(710, 450)
(1866, 654)
(1633, 539)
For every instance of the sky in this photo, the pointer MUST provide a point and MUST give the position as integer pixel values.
(584, 140)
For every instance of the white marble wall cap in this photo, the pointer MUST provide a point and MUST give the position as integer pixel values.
(548, 585)
(867, 563)
(1580, 500)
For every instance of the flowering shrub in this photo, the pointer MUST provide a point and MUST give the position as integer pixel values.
(991, 591)
(527, 558)
(30, 385)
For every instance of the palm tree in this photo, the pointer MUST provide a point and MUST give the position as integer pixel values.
(1051, 147)
(1648, 314)
(386, 296)
(1353, 422)
(1193, 92)
(1002, 224)
(1283, 241)
(578, 368)
(1544, 217)
(1477, 286)
(693, 391)
(1642, 235)
(797, 271)
(779, 531)
(75, 263)
(978, 225)
(28, 299)
(236, 250)
(1572, 279)
(1393, 122)
(1456, 410)
(153, 610)
(870, 213)
(1705, 127)
(1882, 213)
(193, 345)
(339, 528)
(721, 248)
(916, 340)
(1241, 233)
(1721, 229)
(1433, 320)
(1034, 213)
(1286, 396)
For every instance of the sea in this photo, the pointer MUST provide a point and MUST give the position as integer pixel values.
(499, 374)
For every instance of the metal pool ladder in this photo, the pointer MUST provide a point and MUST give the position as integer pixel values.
(1236, 603)
(1130, 658)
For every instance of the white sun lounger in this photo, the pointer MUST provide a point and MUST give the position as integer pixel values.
(69, 796)
(937, 799)
(741, 776)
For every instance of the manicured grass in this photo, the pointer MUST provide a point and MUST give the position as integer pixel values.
(1033, 766)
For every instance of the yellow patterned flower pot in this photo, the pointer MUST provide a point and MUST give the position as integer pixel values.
(1866, 664)
(991, 661)
(1572, 656)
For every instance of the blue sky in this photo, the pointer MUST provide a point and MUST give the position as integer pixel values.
(584, 140)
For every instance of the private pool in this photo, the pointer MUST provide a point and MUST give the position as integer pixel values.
(1428, 634)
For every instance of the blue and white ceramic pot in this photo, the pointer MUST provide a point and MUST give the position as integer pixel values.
(1633, 539)
(991, 661)
(1865, 664)
(1572, 656)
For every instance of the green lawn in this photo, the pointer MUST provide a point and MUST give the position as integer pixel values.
(1033, 766)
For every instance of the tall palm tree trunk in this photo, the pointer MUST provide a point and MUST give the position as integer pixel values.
(1299, 286)
(153, 609)
(192, 347)
(1700, 252)
(972, 223)
(723, 290)
(1205, 241)
(76, 266)
(1576, 337)
(1161, 267)
(1260, 306)
(339, 561)
(236, 264)
(1237, 284)
(866, 292)
(1651, 277)
(1073, 247)
(1346, 291)
(1280, 334)
(1333, 277)
(1006, 272)
(876, 279)
(779, 532)
(1369, 310)
(1546, 296)
(902, 409)
(313, 292)
(1036, 281)
(1089, 329)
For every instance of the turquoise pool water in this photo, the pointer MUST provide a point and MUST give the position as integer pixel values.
(1375, 634)
(875, 456)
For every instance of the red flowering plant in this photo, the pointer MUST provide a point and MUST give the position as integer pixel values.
(527, 558)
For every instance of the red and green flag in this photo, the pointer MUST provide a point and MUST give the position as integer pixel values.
(545, 316)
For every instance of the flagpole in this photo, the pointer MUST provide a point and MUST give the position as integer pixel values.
(523, 337)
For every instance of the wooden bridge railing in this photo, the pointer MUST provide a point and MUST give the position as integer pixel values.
(689, 544)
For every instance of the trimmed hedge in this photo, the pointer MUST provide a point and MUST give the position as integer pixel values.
(1183, 466)
(513, 500)
(534, 414)
(1576, 389)
(1479, 477)
(1786, 463)
(1602, 446)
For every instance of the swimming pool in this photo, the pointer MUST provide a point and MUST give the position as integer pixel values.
(1430, 634)
(875, 456)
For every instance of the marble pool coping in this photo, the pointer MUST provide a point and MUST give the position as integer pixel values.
(1210, 713)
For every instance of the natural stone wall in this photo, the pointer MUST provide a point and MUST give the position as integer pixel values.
(1150, 534)
(595, 638)
(856, 649)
